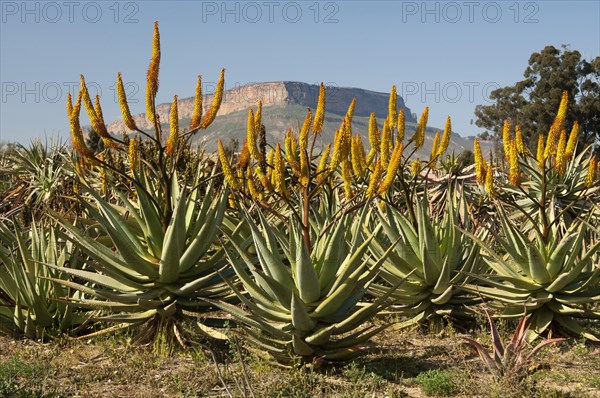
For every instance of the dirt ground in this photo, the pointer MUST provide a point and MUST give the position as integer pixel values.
(401, 364)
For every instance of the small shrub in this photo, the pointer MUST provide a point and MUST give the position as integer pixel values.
(438, 382)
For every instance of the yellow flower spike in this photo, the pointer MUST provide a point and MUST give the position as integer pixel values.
(76, 132)
(264, 179)
(374, 140)
(216, 103)
(342, 143)
(374, 180)
(572, 143)
(489, 182)
(69, 105)
(271, 157)
(521, 150)
(294, 141)
(446, 137)
(279, 173)
(401, 125)
(560, 161)
(290, 152)
(386, 144)
(317, 126)
(350, 112)
(252, 188)
(173, 139)
(592, 174)
(506, 139)
(152, 76)
(133, 154)
(540, 152)
(480, 164)
(359, 163)
(95, 120)
(556, 127)
(244, 158)
(86, 99)
(106, 138)
(125, 112)
(392, 108)
(513, 163)
(392, 168)
(251, 136)
(227, 170)
(322, 168)
(304, 169)
(435, 147)
(303, 136)
(197, 112)
(419, 136)
(258, 116)
(551, 142)
(562, 112)
(347, 178)
(415, 167)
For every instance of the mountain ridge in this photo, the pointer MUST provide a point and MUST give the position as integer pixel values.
(284, 107)
(276, 93)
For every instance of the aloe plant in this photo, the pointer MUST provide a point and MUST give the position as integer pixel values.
(153, 275)
(554, 276)
(306, 302)
(509, 359)
(433, 256)
(566, 191)
(38, 179)
(31, 299)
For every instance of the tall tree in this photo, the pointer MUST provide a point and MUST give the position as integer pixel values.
(533, 102)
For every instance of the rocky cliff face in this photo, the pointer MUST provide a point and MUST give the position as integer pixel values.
(277, 94)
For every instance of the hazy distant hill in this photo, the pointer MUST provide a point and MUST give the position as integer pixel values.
(284, 106)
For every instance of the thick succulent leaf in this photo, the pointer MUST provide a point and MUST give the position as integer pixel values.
(444, 297)
(443, 281)
(306, 278)
(537, 265)
(173, 245)
(300, 346)
(207, 234)
(334, 300)
(321, 336)
(558, 256)
(269, 259)
(103, 280)
(105, 257)
(333, 256)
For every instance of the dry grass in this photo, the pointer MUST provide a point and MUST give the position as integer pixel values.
(403, 364)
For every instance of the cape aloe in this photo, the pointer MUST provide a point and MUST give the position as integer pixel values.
(30, 302)
(142, 273)
(555, 277)
(303, 302)
(433, 256)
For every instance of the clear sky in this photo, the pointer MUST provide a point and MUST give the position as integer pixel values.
(445, 54)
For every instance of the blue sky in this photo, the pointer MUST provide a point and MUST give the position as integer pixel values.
(445, 54)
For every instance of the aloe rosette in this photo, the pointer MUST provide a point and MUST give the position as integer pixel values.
(433, 257)
(142, 272)
(30, 292)
(556, 278)
(302, 302)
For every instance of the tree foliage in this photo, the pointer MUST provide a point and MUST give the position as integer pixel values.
(532, 102)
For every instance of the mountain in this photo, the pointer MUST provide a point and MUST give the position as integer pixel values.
(284, 106)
